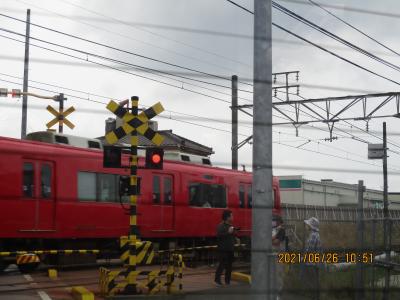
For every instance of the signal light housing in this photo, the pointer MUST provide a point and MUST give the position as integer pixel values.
(154, 158)
(112, 157)
(3, 92)
(16, 93)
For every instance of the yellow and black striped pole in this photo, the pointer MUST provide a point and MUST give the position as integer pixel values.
(134, 124)
(133, 229)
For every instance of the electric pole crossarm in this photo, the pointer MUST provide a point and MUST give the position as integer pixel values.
(335, 120)
(347, 107)
(285, 115)
(312, 110)
(245, 112)
(341, 98)
(242, 143)
(387, 100)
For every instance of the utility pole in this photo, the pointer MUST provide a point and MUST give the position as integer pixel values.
(262, 259)
(26, 70)
(386, 215)
(61, 110)
(360, 241)
(234, 108)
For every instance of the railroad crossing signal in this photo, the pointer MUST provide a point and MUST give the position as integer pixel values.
(60, 117)
(134, 123)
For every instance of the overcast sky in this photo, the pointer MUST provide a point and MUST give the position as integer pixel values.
(178, 32)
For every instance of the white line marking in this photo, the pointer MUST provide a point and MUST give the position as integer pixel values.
(43, 295)
(28, 277)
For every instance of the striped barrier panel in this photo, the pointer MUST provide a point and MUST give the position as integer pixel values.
(114, 282)
(40, 252)
(27, 259)
(144, 251)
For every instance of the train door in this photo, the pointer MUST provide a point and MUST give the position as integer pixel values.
(163, 201)
(27, 210)
(38, 188)
(46, 195)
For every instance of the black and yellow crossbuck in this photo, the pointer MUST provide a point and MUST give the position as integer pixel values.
(134, 123)
(131, 123)
(60, 117)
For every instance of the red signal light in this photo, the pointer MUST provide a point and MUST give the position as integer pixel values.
(156, 158)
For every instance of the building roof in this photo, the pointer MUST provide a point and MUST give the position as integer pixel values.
(171, 141)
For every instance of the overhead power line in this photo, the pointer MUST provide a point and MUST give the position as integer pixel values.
(154, 33)
(76, 18)
(350, 8)
(120, 70)
(332, 35)
(139, 27)
(336, 55)
(353, 27)
(322, 48)
(122, 50)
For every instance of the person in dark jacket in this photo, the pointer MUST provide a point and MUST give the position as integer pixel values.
(226, 243)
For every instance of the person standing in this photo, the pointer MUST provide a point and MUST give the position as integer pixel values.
(226, 244)
(278, 245)
(313, 245)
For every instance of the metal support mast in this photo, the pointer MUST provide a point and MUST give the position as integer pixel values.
(386, 215)
(360, 241)
(26, 71)
(262, 261)
(234, 108)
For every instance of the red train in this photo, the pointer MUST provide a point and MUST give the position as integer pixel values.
(60, 196)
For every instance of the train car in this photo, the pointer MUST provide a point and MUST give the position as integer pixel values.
(60, 196)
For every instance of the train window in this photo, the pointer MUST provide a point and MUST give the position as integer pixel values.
(61, 139)
(45, 181)
(93, 144)
(156, 189)
(87, 186)
(206, 161)
(207, 195)
(195, 194)
(107, 187)
(241, 196)
(28, 187)
(217, 195)
(167, 189)
(249, 197)
(185, 157)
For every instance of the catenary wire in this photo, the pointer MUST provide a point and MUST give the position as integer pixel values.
(327, 51)
(120, 70)
(332, 35)
(123, 51)
(304, 85)
(157, 34)
(118, 61)
(355, 28)
(350, 8)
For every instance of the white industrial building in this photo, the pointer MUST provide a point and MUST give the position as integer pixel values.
(300, 191)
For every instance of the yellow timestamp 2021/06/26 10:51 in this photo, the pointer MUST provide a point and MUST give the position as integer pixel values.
(325, 257)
